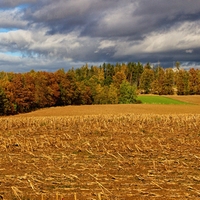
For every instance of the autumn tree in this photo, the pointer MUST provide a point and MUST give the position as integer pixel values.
(118, 78)
(159, 81)
(113, 94)
(168, 82)
(193, 81)
(177, 64)
(17, 93)
(146, 80)
(198, 85)
(101, 94)
(98, 74)
(41, 89)
(182, 82)
(81, 95)
(53, 90)
(29, 88)
(5, 94)
(106, 94)
(4, 103)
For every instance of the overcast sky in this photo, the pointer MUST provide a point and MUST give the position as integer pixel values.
(53, 34)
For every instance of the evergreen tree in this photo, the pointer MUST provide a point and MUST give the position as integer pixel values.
(134, 72)
(108, 73)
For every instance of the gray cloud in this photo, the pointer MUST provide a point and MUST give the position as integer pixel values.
(47, 33)
(13, 3)
(12, 19)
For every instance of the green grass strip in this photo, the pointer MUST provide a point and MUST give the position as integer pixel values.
(160, 100)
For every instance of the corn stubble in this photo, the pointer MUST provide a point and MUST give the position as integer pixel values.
(100, 157)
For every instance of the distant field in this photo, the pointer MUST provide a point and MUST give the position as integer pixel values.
(154, 99)
(114, 110)
(188, 105)
(195, 99)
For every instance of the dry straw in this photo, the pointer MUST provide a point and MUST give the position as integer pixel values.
(100, 157)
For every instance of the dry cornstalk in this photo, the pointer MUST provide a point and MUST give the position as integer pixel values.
(31, 184)
(138, 148)
(194, 190)
(103, 187)
(113, 156)
(157, 185)
(42, 196)
(75, 196)
(57, 195)
(93, 176)
(16, 192)
(99, 196)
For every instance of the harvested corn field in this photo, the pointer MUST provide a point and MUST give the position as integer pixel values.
(127, 156)
(114, 109)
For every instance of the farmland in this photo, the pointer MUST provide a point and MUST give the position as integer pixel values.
(101, 152)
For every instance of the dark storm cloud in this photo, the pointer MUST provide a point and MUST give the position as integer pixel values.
(142, 17)
(63, 16)
(68, 32)
(13, 3)
(166, 13)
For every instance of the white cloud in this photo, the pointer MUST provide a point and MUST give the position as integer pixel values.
(45, 51)
(12, 19)
(189, 65)
(6, 57)
(36, 41)
(106, 44)
(181, 36)
(18, 64)
(189, 51)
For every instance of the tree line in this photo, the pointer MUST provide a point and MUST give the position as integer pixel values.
(105, 84)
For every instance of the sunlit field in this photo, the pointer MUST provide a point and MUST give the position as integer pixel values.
(101, 152)
(154, 99)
